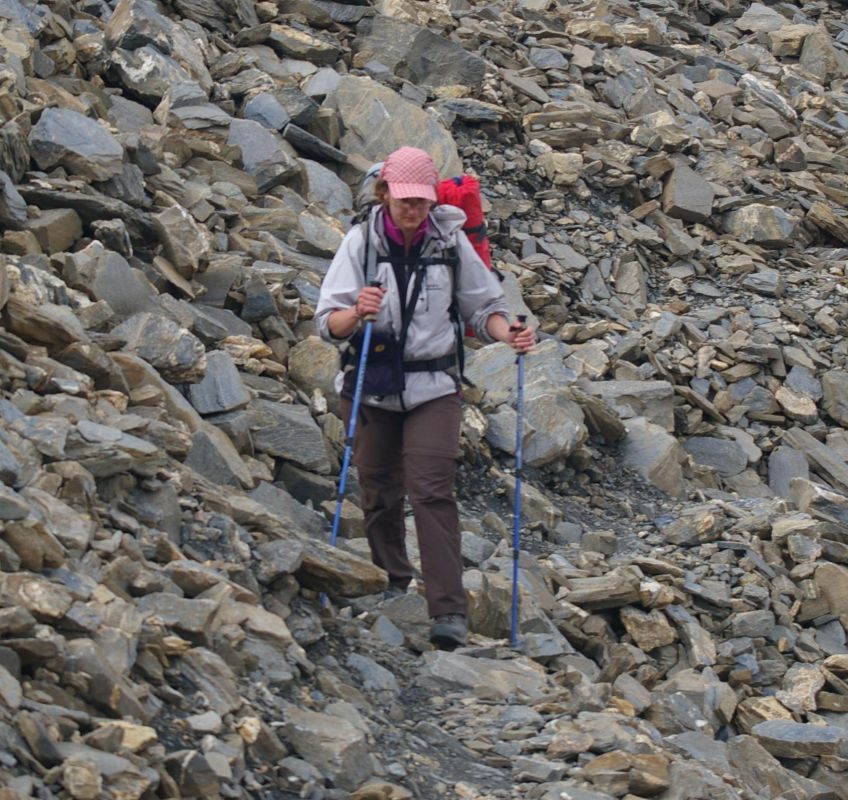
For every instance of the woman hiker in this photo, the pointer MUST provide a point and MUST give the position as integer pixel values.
(407, 437)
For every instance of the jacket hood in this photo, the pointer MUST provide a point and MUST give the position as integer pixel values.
(448, 219)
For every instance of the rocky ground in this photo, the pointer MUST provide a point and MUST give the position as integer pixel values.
(667, 198)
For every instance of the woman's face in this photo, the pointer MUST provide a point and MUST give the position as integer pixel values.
(409, 213)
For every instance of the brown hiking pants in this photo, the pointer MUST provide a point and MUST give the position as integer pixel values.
(413, 452)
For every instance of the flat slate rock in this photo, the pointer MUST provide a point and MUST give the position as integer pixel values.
(221, 388)
(288, 431)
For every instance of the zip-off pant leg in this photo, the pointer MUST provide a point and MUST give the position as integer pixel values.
(378, 456)
(430, 448)
(414, 450)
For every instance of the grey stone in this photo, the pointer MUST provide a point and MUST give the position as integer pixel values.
(360, 101)
(687, 195)
(207, 722)
(312, 145)
(221, 389)
(536, 769)
(757, 768)
(192, 773)
(753, 623)
(327, 189)
(547, 58)
(652, 400)
(297, 516)
(802, 380)
(264, 154)
(178, 355)
(769, 226)
(343, 573)
(56, 230)
(142, 38)
(127, 115)
(223, 320)
(188, 615)
(278, 558)
(64, 137)
(265, 109)
(654, 454)
(761, 18)
(125, 289)
(700, 647)
(372, 676)
(75, 531)
(416, 53)
(106, 688)
(213, 455)
(321, 83)
(835, 395)
(555, 791)
(10, 467)
(797, 739)
(127, 185)
(12, 505)
(768, 282)
(210, 675)
(789, 155)
(289, 432)
(784, 465)
(723, 455)
(305, 486)
(258, 303)
(301, 108)
(114, 235)
(332, 744)
(159, 508)
(820, 57)
(292, 42)
(186, 243)
(13, 211)
(475, 549)
(553, 428)
(385, 630)
(14, 151)
(456, 672)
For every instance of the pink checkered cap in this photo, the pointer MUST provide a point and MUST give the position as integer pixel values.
(410, 172)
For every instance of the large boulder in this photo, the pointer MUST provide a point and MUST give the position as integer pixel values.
(654, 454)
(376, 120)
(66, 138)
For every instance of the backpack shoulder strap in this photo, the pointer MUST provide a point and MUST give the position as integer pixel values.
(451, 258)
(370, 261)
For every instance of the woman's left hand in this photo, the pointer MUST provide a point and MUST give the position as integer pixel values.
(522, 338)
(517, 335)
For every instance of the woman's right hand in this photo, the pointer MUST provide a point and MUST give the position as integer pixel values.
(368, 302)
(344, 321)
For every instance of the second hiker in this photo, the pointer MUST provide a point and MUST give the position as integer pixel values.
(411, 268)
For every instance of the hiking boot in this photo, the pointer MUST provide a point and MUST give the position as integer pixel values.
(394, 590)
(449, 631)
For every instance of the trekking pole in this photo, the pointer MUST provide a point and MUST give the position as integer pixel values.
(351, 426)
(519, 463)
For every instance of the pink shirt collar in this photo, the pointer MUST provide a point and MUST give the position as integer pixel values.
(394, 233)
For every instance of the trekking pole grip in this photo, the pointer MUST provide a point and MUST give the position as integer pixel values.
(519, 325)
(371, 317)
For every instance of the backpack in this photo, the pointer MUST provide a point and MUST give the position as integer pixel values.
(464, 192)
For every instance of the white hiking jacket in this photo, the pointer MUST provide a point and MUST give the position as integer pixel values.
(431, 333)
